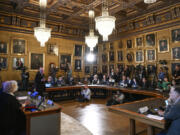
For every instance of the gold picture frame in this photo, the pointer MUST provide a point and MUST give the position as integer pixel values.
(163, 45)
(139, 57)
(36, 60)
(4, 47)
(175, 53)
(151, 55)
(3, 63)
(139, 41)
(18, 63)
(19, 46)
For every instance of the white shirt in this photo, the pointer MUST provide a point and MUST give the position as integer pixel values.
(86, 93)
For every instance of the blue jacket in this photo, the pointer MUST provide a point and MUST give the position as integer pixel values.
(172, 114)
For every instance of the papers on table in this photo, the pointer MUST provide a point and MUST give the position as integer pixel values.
(156, 117)
(22, 98)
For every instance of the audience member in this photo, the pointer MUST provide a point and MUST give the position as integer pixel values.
(12, 118)
(124, 82)
(117, 98)
(95, 80)
(104, 80)
(176, 74)
(60, 81)
(144, 84)
(86, 94)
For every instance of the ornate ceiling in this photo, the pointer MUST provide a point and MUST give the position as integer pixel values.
(75, 12)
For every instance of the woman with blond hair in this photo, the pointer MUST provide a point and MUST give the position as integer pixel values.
(12, 118)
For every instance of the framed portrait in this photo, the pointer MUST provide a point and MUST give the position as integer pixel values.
(120, 55)
(18, 63)
(111, 46)
(176, 53)
(150, 39)
(129, 56)
(104, 57)
(94, 69)
(104, 69)
(36, 61)
(173, 65)
(78, 50)
(111, 56)
(3, 63)
(87, 69)
(151, 55)
(139, 56)
(104, 47)
(95, 49)
(19, 46)
(65, 61)
(163, 46)
(77, 66)
(120, 44)
(129, 44)
(139, 41)
(175, 34)
(52, 49)
(3, 48)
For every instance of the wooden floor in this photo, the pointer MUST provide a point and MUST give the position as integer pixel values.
(96, 117)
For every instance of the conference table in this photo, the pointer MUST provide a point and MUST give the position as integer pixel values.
(99, 90)
(131, 110)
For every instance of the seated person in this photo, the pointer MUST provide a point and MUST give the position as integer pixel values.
(166, 84)
(71, 81)
(104, 80)
(144, 84)
(60, 81)
(134, 83)
(172, 112)
(111, 81)
(161, 74)
(49, 82)
(124, 82)
(117, 98)
(86, 94)
(95, 80)
(129, 82)
(12, 118)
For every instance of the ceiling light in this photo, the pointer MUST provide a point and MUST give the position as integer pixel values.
(149, 1)
(105, 23)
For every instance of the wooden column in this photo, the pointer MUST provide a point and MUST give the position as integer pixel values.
(150, 130)
(132, 127)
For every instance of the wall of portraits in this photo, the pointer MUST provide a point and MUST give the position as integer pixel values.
(145, 49)
(18, 50)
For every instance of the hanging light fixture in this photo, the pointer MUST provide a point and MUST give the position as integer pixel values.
(42, 33)
(105, 23)
(91, 40)
(149, 1)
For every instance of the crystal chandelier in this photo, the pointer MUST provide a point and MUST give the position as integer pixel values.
(105, 23)
(91, 40)
(149, 1)
(42, 33)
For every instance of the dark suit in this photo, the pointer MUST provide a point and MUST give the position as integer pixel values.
(172, 114)
(39, 83)
(12, 118)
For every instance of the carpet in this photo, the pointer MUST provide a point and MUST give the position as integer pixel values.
(70, 126)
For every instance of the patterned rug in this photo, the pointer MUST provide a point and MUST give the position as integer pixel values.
(70, 126)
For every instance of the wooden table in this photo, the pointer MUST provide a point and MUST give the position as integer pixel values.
(45, 122)
(131, 111)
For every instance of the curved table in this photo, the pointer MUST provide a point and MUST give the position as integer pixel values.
(98, 91)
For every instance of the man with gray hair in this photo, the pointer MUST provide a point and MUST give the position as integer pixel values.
(12, 118)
